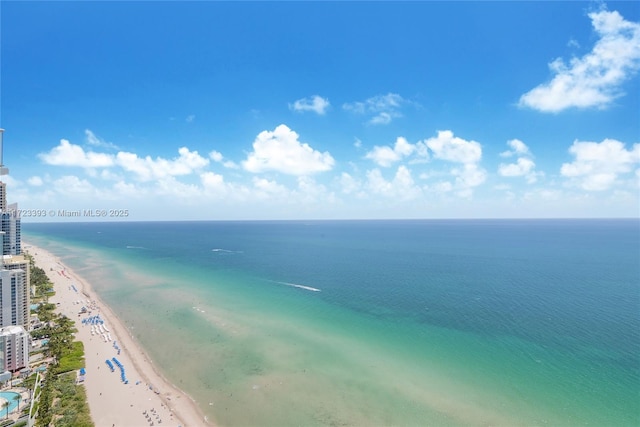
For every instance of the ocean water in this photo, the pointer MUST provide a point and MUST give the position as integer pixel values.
(367, 323)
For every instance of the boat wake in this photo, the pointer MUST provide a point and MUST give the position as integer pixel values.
(226, 251)
(135, 247)
(295, 285)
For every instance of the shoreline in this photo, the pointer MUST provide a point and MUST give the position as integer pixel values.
(148, 398)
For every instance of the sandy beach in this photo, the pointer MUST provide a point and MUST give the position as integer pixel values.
(148, 399)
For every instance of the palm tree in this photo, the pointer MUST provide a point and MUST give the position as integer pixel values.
(17, 397)
(66, 325)
(5, 407)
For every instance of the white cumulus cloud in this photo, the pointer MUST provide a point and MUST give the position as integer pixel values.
(280, 150)
(446, 146)
(598, 165)
(217, 157)
(147, 168)
(401, 187)
(518, 148)
(68, 154)
(523, 166)
(212, 180)
(315, 103)
(593, 80)
(385, 156)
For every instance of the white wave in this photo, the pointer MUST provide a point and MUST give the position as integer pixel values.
(135, 247)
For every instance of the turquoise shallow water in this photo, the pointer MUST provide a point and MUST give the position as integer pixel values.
(379, 323)
(8, 396)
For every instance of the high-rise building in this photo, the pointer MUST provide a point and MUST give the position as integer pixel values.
(14, 296)
(14, 285)
(3, 196)
(11, 227)
(14, 348)
(14, 269)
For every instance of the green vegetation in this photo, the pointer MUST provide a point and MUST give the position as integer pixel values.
(41, 282)
(29, 382)
(73, 359)
(58, 328)
(17, 398)
(47, 316)
(71, 403)
(61, 401)
(45, 400)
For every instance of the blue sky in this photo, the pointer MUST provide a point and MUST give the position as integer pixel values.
(215, 110)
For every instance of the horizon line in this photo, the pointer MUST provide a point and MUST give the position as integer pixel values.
(345, 220)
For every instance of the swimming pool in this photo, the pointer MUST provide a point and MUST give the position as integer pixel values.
(8, 396)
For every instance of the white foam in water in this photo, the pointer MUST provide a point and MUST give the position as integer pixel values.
(308, 288)
(135, 247)
(225, 251)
